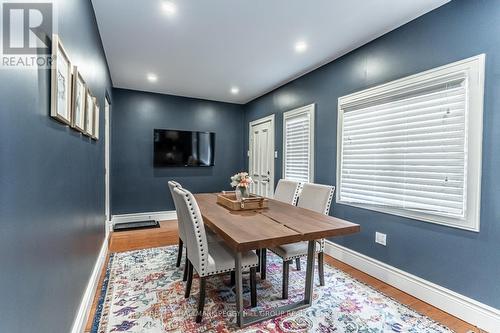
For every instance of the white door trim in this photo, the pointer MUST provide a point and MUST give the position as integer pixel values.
(107, 145)
(270, 118)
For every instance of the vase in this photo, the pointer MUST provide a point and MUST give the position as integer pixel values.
(242, 193)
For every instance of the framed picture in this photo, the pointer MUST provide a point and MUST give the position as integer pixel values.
(95, 132)
(78, 101)
(89, 113)
(60, 98)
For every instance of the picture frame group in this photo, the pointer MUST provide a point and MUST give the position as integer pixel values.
(72, 102)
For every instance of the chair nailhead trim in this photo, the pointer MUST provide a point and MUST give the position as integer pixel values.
(296, 194)
(229, 270)
(203, 267)
(330, 198)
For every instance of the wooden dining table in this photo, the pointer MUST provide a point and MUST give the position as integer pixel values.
(278, 224)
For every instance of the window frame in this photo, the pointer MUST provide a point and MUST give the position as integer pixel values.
(311, 109)
(474, 69)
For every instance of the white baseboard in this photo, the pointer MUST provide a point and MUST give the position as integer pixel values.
(86, 303)
(157, 216)
(481, 315)
(109, 227)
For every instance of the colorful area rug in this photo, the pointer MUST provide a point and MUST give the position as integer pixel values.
(143, 292)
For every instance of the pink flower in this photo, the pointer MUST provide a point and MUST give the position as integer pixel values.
(241, 179)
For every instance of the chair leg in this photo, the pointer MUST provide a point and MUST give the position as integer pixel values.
(259, 258)
(253, 286)
(189, 280)
(263, 263)
(233, 278)
(286, 271)
(186, 265)
(297, 263)
(321, 271)
(201, 299)
(179, 254)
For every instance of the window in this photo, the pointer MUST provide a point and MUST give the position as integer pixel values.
(298, 144)
(412, 147)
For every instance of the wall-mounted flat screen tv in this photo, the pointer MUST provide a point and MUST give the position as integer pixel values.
(173, 148)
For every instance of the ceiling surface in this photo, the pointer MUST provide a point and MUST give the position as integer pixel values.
(202, 49)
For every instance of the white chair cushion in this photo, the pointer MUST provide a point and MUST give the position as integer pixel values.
(316, 197)
(221, 259)
(294, 250)
(287, 191)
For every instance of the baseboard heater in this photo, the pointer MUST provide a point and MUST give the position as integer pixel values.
(136, 225)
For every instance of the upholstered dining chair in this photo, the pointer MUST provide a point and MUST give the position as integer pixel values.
(207, 259)
(318, 198)
(171, 185)
(287, 191)
(211, 237)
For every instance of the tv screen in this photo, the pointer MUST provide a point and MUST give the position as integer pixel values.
(183, 148)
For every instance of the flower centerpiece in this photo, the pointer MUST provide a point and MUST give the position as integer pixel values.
(241, 182)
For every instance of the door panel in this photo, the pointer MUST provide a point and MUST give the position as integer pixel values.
(262, 156)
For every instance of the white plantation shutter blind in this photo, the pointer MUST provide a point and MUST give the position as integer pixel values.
(407, 149)
(298, 127)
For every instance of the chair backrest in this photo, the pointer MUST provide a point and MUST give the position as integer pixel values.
(196, 238)
(171, 185)
(316, 197)
(287, 191)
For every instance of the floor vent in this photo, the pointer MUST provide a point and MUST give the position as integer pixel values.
(136, 225)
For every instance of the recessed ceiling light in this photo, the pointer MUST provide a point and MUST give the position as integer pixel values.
(300, 46)
(235, 90)
(152, 77)
(169, 8)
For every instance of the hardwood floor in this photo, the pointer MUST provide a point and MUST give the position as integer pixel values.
(167, 235)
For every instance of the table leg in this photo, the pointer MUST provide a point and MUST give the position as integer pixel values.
(263, 264)
(310, 272)
(242, 321)
(239, 289)
(259, 256)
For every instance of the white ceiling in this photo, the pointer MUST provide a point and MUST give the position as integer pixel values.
(207, 47)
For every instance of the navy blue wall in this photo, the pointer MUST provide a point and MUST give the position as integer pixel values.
(51, 188)
(466, 262)
(139, 187)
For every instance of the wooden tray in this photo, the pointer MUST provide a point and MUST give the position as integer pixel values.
(228, 200)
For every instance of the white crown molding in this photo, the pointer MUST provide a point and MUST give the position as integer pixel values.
(483, 316)
(88, 296)
(157, 216)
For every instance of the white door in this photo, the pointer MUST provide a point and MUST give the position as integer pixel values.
(261, 156)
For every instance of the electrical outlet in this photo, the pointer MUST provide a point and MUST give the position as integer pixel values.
(380, 238)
